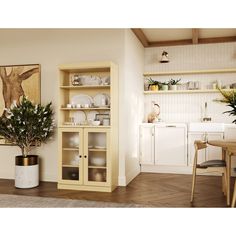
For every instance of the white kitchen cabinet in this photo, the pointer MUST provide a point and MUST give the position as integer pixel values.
(163, 144)
(206, 154)
(230, 131)
(147, 144)
(171, 145)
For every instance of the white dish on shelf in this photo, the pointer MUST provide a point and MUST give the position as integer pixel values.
(96, 122)
(101, 100)
(98, 161)
(91, 115)
(82, 99)
(79, 117)
(90, 80)
(75, 160)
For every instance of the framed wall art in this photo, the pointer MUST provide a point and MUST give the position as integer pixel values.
(16, 81)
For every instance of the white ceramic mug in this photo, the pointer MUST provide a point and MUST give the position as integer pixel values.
(68, 105)
(106, 122)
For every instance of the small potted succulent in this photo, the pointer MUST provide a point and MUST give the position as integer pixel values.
(27, 125)
(164, 86)
(153, 85)
(173, 84)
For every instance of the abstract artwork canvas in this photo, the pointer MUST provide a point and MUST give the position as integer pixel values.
(17, 81)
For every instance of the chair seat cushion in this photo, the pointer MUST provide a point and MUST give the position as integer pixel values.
(212, 163)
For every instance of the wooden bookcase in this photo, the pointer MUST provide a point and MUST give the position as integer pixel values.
(88, 154)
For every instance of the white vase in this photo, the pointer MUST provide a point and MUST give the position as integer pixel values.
(26, 172)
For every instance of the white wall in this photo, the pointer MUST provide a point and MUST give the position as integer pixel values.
(187, 107)
(132, 104)
(51, 48)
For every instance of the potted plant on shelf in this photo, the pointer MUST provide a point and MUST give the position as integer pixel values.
(153, 85)
(230, 100)
(27, 125)
(164, 86)
(173, 84)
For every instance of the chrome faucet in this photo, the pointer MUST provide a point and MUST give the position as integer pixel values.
(205, 118)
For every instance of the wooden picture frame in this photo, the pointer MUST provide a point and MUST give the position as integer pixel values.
(16, 81)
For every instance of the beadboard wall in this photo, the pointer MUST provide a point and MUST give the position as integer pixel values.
(189, 107)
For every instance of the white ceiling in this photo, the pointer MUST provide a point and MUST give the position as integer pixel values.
(178, 34)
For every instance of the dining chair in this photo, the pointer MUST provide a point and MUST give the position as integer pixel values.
(232, 152)
(234, 196)
(207, 166)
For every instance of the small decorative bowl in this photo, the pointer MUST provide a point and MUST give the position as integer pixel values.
(96, 122)
(98, 161)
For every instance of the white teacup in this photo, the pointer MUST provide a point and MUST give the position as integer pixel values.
(69, 105)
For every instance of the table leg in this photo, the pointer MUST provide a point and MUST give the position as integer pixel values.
(228, 166)
(224, 176)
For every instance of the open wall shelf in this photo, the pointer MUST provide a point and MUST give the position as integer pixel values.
(215, 71)
(186, 91)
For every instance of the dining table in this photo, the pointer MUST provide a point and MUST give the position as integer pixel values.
(227, 146)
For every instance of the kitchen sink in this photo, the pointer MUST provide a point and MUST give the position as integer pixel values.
(206, 127)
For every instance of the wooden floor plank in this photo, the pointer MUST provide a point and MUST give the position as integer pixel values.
(158, 190)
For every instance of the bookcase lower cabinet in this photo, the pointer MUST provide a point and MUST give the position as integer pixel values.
(86, 159)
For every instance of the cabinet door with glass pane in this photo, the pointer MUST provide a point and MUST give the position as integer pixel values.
(71, 153)
(97, 160)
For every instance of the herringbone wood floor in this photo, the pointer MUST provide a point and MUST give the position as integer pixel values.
(158, 190)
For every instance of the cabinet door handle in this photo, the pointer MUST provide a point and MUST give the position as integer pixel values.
(85, 156)
(80, 156)
(171, 126)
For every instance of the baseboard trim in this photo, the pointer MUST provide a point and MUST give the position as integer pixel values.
(167, 169)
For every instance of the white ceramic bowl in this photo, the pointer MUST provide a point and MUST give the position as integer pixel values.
(98, 161)
(96, 122)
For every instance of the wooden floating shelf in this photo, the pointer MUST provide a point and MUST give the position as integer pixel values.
(186, 91)
(97, 150)
(85, 86)
(216, 71)
(85, 109)
(97, 167)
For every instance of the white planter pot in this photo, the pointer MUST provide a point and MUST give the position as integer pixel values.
(164, 87)
(26, 172)
(173, 87)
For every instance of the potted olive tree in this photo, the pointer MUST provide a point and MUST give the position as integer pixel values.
(27, 125)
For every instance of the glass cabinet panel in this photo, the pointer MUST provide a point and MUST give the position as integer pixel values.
(71, 157)
(96, 160)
